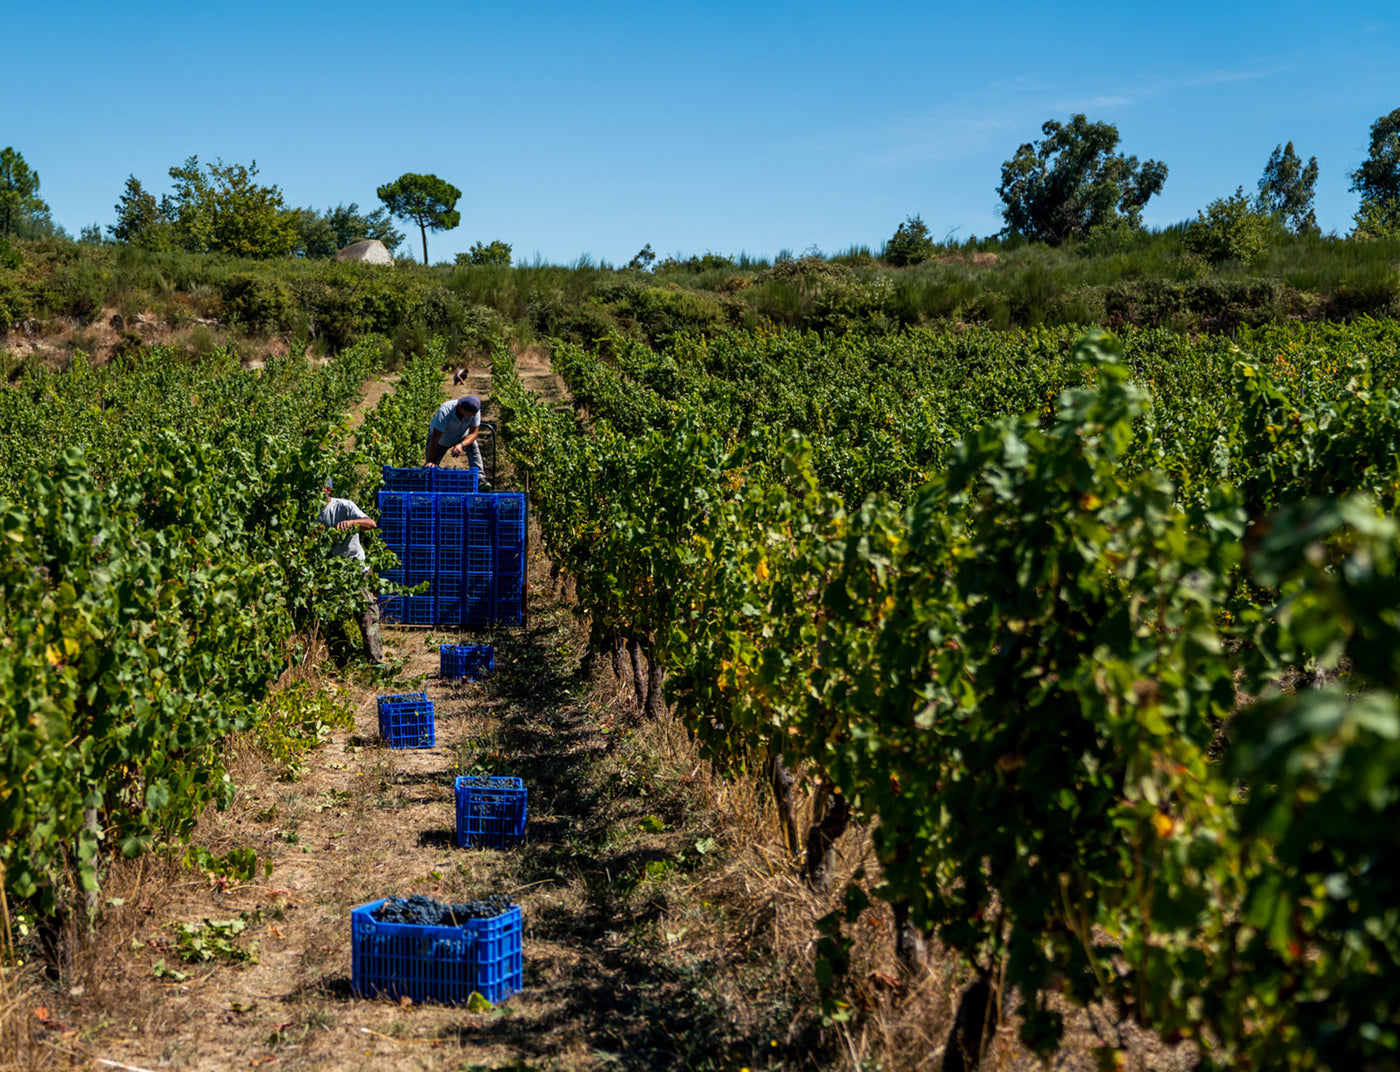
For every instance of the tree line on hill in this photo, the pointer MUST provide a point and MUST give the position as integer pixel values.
(222, 208)
(1071, 186)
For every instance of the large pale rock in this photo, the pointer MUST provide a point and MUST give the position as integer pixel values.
(370, 251)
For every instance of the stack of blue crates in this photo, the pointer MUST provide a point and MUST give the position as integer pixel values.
(420, 556)
(469, 547)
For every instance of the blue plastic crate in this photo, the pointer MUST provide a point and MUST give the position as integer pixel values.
(440, 964)
(450, 514)
(447, 590)
(392, 503)
(510, 514)
(451, 559)
(406, 720)
(422, 532)
(420, 560)
(451, 533)
(478, 558)
(509, 563)
(394, 532)
(478, 590)
(471, 661)
(393, 520)
(479, 512)
(391, 609)
(508, 610)
(491, 815)
(418, 610)
(414, 479)
(422, 517)
(509, 559)
(460, 481)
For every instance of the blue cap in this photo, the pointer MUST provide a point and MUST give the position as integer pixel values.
(470, 403)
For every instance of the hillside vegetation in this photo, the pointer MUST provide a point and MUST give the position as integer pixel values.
(53, 289)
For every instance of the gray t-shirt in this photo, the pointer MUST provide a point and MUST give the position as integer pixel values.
(332, 514)
(452, 430)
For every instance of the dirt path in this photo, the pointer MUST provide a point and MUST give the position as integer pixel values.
(374, 389)
(364, 822)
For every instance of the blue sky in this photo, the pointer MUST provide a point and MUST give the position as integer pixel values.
(591, 129)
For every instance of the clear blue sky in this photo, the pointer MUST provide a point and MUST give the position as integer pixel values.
(593, 128)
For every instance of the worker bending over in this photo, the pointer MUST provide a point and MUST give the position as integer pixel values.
(455, 427)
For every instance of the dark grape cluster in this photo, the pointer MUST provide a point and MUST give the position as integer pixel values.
(476, 781)
(421, 911)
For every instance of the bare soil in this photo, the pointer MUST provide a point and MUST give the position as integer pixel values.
(53, 342)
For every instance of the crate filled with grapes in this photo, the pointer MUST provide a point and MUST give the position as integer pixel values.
(490, 811)
(470, 661)
(406, 720)
(417, 948)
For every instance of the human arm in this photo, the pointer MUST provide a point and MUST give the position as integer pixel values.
(467, 441)
(434, 437)
(358, 523)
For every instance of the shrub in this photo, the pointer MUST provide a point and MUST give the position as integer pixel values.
(1230, 229)
(259, 303)
(497, 253)
(658, 313)
(585, 323)
(910, 244)
(709, 262)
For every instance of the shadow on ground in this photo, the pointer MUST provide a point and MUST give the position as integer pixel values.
(638, 1005)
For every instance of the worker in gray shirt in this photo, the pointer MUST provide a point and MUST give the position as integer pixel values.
(344, 516)
(455, 427)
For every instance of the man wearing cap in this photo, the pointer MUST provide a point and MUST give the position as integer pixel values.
(344, 516)
(455, 426)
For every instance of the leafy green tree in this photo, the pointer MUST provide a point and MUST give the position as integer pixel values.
(427, 200)
(315, 238)
(497, 253)
(219, 208)
(643, 260)
(321, 235)
(1286, 190)
(1231, 229)
(910, 244)
(1072, 181)
(350, 225)
(141, 219)
(22, 211)
(1377, 180)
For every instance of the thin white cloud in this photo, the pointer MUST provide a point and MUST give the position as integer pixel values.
(933, 136)
(1003, 112)
(1223, 77)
